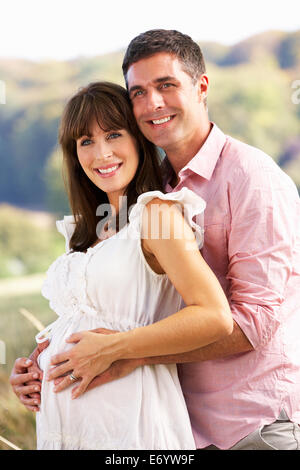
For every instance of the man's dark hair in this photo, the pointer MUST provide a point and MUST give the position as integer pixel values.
(162, 40)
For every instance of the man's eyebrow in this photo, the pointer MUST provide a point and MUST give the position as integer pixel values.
(164, 79)
(133, 88)
(156, 80)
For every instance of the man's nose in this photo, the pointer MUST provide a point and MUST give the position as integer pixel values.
(154, 100)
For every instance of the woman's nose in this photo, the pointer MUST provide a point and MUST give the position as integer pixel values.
(104, 151)
(107, 154)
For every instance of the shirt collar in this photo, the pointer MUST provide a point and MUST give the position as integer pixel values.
(204, 162)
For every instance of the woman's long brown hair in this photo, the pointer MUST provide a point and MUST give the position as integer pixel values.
(107, 104)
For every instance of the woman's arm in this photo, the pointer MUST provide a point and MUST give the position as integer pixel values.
(205, 319)
(207, 316)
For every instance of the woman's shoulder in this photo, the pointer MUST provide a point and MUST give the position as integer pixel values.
(185, 197)
(154, 209)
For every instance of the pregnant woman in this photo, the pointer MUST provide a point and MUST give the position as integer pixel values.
(132, 264)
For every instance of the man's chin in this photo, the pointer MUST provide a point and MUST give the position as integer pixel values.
(159, 140)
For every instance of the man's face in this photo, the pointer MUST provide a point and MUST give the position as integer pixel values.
(166, 103)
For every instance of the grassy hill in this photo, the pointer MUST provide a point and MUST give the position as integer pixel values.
(29, 242)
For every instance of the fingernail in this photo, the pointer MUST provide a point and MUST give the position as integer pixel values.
(28, 362)
(36, 402)
(35, 376)
(36, 389)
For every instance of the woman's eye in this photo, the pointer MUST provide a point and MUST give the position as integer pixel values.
(113, 135)
(85, 142)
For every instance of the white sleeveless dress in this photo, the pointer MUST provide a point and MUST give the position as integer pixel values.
(112, 286)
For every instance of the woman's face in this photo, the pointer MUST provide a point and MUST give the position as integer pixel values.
(109, 159)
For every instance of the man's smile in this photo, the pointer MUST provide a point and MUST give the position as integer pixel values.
(161, 122)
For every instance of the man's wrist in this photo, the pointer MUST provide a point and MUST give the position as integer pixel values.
(150, 361)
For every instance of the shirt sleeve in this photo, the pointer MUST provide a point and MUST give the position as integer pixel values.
(265, 216)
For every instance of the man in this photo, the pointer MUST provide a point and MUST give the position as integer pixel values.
(242, 392)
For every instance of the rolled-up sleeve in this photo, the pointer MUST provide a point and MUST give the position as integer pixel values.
(264, 205)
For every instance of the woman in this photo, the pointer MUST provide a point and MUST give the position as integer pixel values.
(130, 278)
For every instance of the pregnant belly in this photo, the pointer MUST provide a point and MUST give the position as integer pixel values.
(142, 410)
(129, 413)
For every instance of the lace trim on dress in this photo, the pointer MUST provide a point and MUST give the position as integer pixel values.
(193, 205)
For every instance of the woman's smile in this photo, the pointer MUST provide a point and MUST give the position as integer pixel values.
(108, 171)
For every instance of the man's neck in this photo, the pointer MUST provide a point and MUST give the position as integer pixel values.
(183, 152)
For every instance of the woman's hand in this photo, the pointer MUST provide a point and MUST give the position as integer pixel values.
(116, 371)
(92, 355)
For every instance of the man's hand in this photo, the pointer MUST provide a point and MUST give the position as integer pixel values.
(26, 377)
(19, 379)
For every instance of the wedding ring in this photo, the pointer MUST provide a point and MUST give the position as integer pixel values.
(73, 378)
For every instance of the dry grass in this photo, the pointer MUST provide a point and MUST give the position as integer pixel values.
(17, 424)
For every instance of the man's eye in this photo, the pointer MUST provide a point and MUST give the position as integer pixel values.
(138, 93)
(167, 85)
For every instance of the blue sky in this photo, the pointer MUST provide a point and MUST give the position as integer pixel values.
(63, 29)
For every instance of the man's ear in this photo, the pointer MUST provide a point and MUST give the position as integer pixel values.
(203, 85)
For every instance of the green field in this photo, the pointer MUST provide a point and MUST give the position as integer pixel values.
(16, 423)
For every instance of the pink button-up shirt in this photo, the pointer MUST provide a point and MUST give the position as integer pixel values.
(252, 243)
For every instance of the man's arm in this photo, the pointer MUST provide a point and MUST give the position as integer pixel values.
(236, 343)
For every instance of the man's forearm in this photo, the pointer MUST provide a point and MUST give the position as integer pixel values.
(235, 343)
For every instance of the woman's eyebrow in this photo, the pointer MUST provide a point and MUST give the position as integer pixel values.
(89, 135)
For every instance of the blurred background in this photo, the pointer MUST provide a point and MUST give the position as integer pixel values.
(50, 49)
